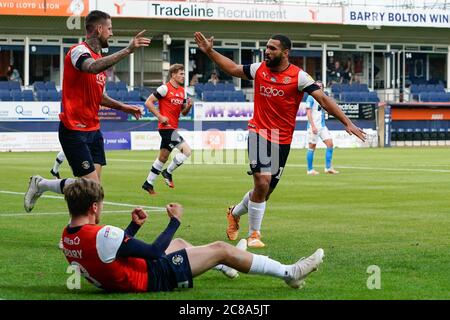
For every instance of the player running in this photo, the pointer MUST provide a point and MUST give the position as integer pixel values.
(316, 128)
(171, 98)
(83, 92)
(114, 260)
(279, 88)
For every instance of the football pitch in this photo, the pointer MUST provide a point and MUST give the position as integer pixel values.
(388, 211)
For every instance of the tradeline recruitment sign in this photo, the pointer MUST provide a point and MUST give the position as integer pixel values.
(221, 11)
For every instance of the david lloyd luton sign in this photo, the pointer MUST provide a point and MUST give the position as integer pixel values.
(221, 11)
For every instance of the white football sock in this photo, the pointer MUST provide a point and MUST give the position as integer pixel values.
(265, 265)
(54, 185)
(255, 215)
(155, 171)
(242, 207)
(58, 161)
(176, 162)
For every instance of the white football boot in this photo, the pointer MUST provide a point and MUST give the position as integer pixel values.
(303, 267)
(32, 193)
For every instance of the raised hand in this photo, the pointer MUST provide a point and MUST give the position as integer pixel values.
(175, 210)
(139, 41)
(352, 129)
(203, 44)
(136, 111)
(139, 216)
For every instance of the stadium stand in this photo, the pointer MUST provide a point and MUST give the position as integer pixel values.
(353, 93)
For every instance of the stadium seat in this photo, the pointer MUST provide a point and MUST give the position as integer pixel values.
(50, 86)
(209, 96)
(220, 86)
(14, 85)
(426, 134)
(209, 87)
(394, 134)
(433, 134)
(4, 85)
(372, 97)
(409, 134)
(17, 95)
(5, 95)
(401, 134)
(121, 86)
(39, 86)
(417, 135)
(220, 96)
(51, 95)
(442, 134)
(122, 95)
(424, 97)
(237, 96)
(229, 87)
(134, 96)
(112, 94)
(27, 95)
(110, 86)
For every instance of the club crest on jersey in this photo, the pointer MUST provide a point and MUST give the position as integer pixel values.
(85, 165)
(177, 260)
(101, 78)
(286, 80)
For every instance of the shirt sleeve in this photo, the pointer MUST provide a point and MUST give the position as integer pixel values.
(78, 55)
(132, 247)
(250, 70)
(161, 92)
(305, 81)
(109, 239)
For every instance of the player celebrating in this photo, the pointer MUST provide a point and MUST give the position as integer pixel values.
(112, 259)
(279, 88)
(316, 128)
(82, 94)
(172, 101)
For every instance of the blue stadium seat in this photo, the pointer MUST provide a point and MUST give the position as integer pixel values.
(5, 95)
(51, 95)
(17, 95)
(336, 88)
(110, 86)
(220, 86)
(14, 85)
(134, 96)
(229, 87)
(219, 96)
(112, 94)
(4, 85)
(209, 96)
(122, 95)
(424, 97)
(50, 86)
(345, 88)
(27, 95)
(121, 85)
(39, 86)
(372, 97)
(209, 87)
(40, 95)
(440, 87)
(430, 88)
(237, 96)
(363, 87)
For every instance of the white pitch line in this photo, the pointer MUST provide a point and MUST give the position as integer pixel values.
(104, 202)
(304, 166)
(64, 213)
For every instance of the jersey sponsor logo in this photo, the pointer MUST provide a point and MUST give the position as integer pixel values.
(177, 259)
(176, 101)
(106, 234)
(270, 91)
(72, 242)
(101, 79)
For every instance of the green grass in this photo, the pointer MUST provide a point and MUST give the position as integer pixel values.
(394, 215)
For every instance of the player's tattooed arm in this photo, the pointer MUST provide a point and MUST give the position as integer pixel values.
(96, 66)
(224, 63)
(187, 107)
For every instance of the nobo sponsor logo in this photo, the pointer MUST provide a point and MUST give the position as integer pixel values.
(270, 91)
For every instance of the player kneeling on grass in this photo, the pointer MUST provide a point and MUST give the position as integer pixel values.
(112, 259)
(172, 101)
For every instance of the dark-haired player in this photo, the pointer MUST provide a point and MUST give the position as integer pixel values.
(82, 94)
(279, 88)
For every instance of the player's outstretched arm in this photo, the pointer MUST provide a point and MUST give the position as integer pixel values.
(332, 108)
(225, 64)
(150, 104)
(187, 107)
(96, 66)
(136, 111)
